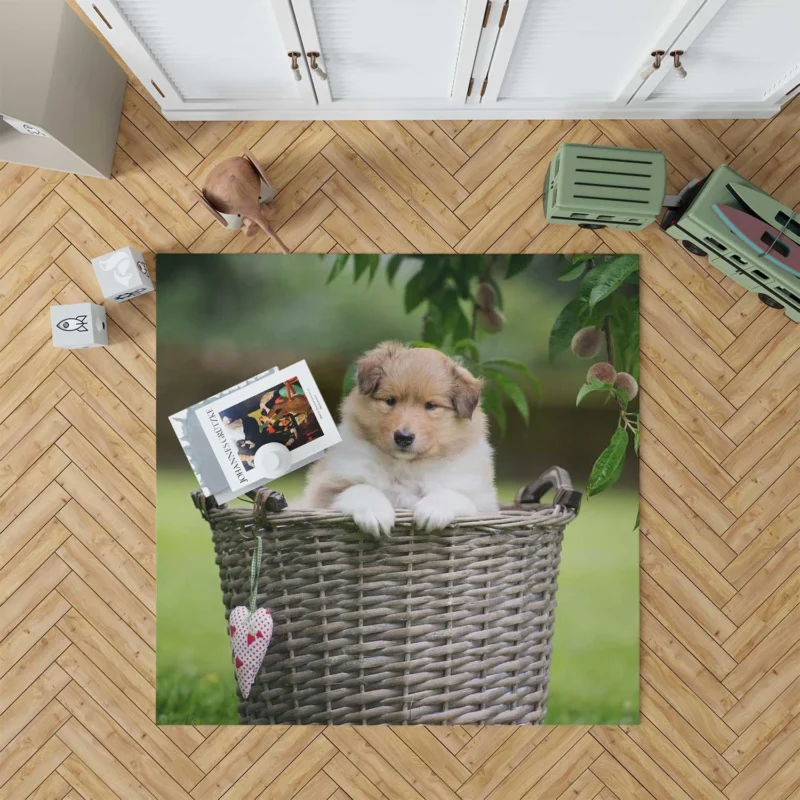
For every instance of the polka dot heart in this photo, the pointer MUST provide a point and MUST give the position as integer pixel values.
(250, 635)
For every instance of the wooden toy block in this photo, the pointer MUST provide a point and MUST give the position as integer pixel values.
(122, 274)
(79, 325)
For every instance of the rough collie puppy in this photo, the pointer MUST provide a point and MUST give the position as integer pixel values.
(413, 436)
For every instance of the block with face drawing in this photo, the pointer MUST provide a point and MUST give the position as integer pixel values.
(79, 325)
(122, 275)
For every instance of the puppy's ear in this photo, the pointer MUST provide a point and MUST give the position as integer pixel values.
(466, 392)
(369, 369)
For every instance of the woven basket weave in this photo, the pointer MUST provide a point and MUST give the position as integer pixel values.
(452, 627)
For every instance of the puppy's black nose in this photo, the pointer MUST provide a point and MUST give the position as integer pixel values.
(403, 439)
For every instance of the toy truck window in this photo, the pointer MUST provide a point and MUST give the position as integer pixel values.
(714, 243)
(775, 244)
(792, 225)
(787, 293)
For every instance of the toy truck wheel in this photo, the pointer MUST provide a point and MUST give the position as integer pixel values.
(592, 226)
(693, 248)
(769, 301)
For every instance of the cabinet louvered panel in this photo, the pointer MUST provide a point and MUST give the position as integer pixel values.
(750, 48)
(214, 50)
(574, 49)
(389, 49)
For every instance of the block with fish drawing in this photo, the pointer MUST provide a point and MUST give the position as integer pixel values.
(122, 275)
(79, 325)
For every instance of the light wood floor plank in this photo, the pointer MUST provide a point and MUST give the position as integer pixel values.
(30, 267)
(46, 719)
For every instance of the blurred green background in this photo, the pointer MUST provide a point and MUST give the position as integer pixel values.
(225, 318)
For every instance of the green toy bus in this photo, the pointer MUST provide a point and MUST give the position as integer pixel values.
(702, 232)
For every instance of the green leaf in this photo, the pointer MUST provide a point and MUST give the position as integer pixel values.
(517, 264)
(608, 467)
(349, 381)
(573, 274)
(362, 264)
(339, 263)
(512, 390)
(636, 524)
(624, 326)
(636, 439)
(595, 385)
(595, 317)
(467, 346)
(421, 284)
(588, 283)
(455, 322)
(420, 343)
(434, 330)
(632, 348)
(611, 277)
(565, 327)
(521, 369)
(581, 258)
(462, 269)
(492, 403)
(373, 269)
(392, 267)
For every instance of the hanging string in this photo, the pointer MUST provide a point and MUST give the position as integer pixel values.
(788, 222)
(255, 569)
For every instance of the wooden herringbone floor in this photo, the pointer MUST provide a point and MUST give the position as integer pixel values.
(720, 477)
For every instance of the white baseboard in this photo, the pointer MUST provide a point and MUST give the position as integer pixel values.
(720, 111)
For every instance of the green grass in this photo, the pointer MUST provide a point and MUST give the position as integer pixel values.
(595, 669)
(594, 675)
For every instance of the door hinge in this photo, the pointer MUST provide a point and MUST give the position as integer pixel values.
(483, 88)
(503, 15)
(469, 88)
(486, 13)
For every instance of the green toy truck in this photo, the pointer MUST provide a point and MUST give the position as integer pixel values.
(599, 187)
(703, 233)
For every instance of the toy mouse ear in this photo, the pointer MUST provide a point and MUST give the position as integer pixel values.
(257, 167)
(214, 213)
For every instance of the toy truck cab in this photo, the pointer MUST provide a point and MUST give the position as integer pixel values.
(703, 232)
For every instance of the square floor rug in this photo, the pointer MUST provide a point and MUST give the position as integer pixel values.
(495, 392)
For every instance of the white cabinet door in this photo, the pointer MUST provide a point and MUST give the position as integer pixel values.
(578, 54)
(736, 51)
(390, 53)
(207, 53)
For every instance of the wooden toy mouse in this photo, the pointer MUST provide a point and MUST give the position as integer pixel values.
(236, 193)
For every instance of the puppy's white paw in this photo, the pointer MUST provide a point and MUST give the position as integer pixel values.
(438, 509)
(369, 507)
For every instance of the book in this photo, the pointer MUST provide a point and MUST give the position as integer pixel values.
(244, 437)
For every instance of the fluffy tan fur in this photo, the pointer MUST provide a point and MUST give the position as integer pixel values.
(415, 378)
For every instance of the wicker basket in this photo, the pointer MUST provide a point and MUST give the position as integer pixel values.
(452, 627)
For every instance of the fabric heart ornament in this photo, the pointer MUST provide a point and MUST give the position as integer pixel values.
(250, 636)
